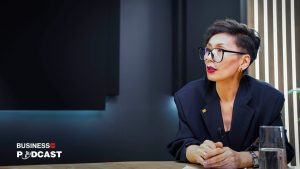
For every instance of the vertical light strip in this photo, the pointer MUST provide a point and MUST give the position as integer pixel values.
(293, 48)
(266, 41)
(285, 74)
(275, 41)
(256, 28)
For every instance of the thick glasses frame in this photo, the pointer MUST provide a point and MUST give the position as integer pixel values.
(206, 51)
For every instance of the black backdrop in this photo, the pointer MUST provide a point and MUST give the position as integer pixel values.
(58, 54)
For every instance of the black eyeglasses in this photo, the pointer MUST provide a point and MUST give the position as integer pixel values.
(217, 54)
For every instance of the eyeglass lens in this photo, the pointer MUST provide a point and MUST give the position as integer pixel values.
(215, 54)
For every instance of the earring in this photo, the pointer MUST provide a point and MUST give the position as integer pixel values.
(240, 69)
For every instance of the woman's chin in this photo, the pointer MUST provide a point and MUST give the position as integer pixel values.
(212, 77)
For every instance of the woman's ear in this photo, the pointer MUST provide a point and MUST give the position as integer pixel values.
(245, 61)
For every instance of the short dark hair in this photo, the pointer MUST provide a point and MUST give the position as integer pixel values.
(246, 38)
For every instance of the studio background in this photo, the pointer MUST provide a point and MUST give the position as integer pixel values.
(139, 122)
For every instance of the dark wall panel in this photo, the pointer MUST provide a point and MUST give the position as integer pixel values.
(58, 54)
(135, 126)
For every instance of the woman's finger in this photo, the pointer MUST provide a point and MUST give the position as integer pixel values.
(215, 152)
(210, 144)
(202, 152)
(219, 144)
(199, 159)
(217, 160)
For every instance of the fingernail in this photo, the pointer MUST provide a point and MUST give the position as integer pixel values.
(204, 163)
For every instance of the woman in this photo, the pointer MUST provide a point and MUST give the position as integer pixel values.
(219, 116)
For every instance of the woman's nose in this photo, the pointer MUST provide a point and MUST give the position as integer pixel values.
(209, 58)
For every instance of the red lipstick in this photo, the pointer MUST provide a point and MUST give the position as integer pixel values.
(210, 69)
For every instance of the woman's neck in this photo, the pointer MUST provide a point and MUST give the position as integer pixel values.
(227, 89)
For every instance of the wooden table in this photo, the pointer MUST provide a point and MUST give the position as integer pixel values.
(114, 165)
(108, 165)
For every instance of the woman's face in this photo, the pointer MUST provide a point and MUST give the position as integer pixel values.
(228, 68)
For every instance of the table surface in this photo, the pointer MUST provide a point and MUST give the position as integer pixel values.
(109, 165)
(115, 165)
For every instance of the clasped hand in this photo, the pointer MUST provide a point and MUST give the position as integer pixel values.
(213, 155)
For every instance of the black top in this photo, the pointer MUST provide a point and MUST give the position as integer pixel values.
(200, 115)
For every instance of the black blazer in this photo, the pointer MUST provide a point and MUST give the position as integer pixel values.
(257, 103)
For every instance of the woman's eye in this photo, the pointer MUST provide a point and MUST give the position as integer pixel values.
(219, 50)
(207, 50)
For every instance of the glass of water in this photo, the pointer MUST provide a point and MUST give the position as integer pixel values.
(272, 147)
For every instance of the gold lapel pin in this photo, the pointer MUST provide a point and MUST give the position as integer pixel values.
(204, 110)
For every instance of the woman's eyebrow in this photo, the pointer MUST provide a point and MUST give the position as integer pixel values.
(216, 45)
(220, 45)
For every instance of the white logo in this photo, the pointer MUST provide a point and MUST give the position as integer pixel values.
(50, 151)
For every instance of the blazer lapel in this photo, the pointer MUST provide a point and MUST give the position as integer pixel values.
(211, 112)
(242, 116)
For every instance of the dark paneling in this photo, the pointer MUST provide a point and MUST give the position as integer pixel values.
(113, 38)
(58, 54)
(179, 44)
(136, 125)
(190, 24)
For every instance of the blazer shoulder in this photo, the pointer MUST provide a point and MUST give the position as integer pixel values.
(263, 89)
(192, 88)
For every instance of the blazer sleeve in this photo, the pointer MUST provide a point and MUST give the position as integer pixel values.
(184, 136)
(290, 153)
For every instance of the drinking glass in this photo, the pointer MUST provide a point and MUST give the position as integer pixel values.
(272, 147)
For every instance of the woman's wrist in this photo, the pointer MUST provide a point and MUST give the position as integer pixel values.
(244, 159)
